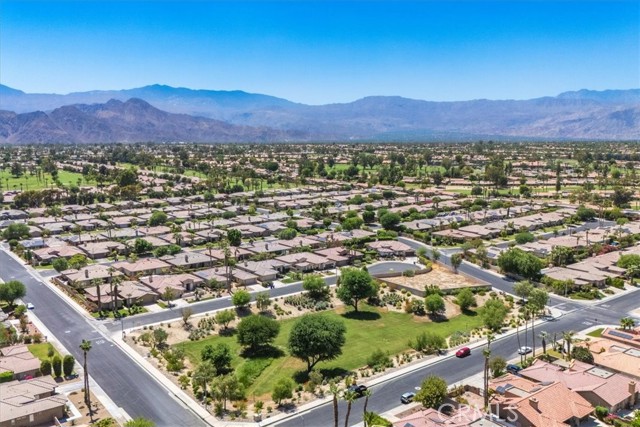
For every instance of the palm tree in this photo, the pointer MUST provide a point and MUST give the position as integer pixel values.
(568, 339)
(97, 283)
(487, 354)
(543, 336)
(349, 396)
(85, 346)
(335, 391)
(367, 395)
(627, 323)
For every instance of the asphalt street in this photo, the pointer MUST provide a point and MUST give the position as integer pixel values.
(126, 383)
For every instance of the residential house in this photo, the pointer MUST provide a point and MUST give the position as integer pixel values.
(189, 260)
(266, 271)
(340, 255)
(180, 283)
(46, 255)
(31, 403)
(145, 266)
(98, 250)
(19, 360)
(86, 275)
(386, 248)
(306, 261)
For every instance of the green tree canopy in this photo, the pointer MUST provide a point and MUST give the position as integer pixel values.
(432, 393)
(257, 332)
(315, 338)
(355, 285)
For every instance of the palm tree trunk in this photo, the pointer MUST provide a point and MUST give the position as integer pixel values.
(364, 411)
(533, 334)
(335, 410)
(346, 420)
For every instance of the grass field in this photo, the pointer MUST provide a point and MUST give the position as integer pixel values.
(30, 182)
(390, 331)
(40, 350)
(597, 333)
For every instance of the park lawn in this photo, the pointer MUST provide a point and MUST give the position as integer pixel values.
(30, 182)
(390, 331)
(597, 333)
(40, 350)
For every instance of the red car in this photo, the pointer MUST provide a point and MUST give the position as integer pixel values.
(463, 352)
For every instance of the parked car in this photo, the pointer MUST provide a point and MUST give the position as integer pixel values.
(513, 369)
(463, 352)
(407, 397)
(524, 350)
(30, 306)
(358, 389)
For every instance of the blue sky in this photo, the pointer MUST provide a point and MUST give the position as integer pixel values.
(321, 52)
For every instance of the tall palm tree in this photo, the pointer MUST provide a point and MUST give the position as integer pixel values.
(97, 283)
(367, 395)
(627, 323)
(349, 396)
(568, 339)
(543, 336)
(335, 391)
(85, 346)
(487, 354)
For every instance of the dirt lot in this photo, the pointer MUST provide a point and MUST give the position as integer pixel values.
(440, 276)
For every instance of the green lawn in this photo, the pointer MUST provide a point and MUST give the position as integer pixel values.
(40, 350)
(597, 333)
(31, 182)
(368, 331)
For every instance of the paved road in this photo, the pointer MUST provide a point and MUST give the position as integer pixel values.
(126, 383)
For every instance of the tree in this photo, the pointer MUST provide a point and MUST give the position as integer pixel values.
(335, 391)
(234, 237)
(288, 234)
(465, 299)
(567, 337)
(493, 314)
(517, 261)
(561, 256)
(141, 246)
(241, 299)
(497, 365)
(585, 214)
(45, 367)
(524, 237)
(67, 365)
(432, 393)
(435, 305)
(139, 422)
(543, 336)
(263, 301)
(60, 264)
(186, 313)
(16, 231)
(315, 338)
(428, 342)
(203, 375)
(227, 388)
(78, 261)
(85, 346)
(56, 364)
(159, 337)
(168, 296)
(355, 285)
(456, 260)
(225, 317)
(219, 355)
(127, 177)
(349, 396)
(523, 289)
(11, 291)
(157, 218)
(627, 323)
(390, 220)
(256, 332)
(283, 389)
(315, 286)
(582, 354)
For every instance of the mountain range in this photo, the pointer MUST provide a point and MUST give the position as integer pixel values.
(163, 113)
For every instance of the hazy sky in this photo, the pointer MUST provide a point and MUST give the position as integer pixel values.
(322, 52)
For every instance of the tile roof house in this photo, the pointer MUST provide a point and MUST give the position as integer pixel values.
(457, 418)
(19, 360)
(143, 266)
(46, 255)
(598, 386)
(531, 404)
(391, 248)
(306, 261)
(180, 283)
(614, 355)
(30, 403)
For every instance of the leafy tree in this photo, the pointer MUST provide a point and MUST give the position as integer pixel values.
(234, 237)
(56, 364)
(16, 231)
(288, 234)
(315, 338)
(561, 256)
(355, 285)
(202, 376)
(256, 332)
(127, 177)
(428, 342)
(227, 388)
(141, 246)
(465, 299)
(225, 317)
(160, 337)
(68, 363)
(157, 218)
(585, 214)
(493, 314)
(45, 367)
(524, 237)
(12, 290)
(78, 261)
(368, 217)
(497, 365)
(60, 264)
(241, 298)
(390, 221)
(628, 261)
(219, 355)
(621, 197)
(627, 323)
(432, 393)
(283, 389)
(523, 289)
(435, 305)
(582, 354)
(186, 314)
(517, 261)
(263, 301)
(538, 299)
(315, 286)
(456, 260)
(352, 223)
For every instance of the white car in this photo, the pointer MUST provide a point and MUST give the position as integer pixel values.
(524, 350)
(30, 306)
